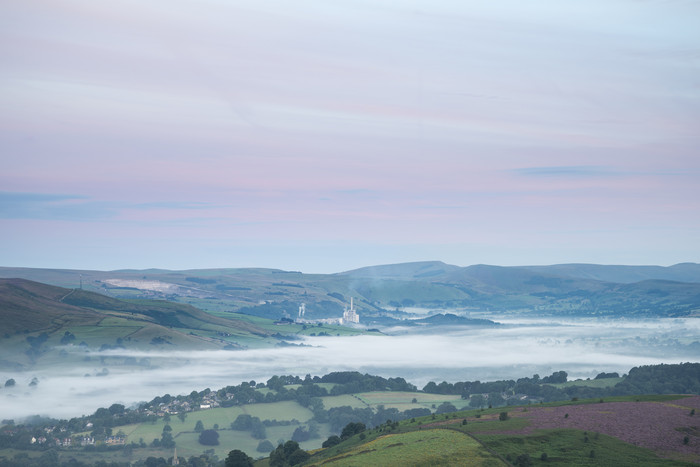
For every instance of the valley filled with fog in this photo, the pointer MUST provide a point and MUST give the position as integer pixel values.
(514, 349)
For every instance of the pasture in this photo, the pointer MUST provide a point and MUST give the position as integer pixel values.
(223, 417)
(404, 400)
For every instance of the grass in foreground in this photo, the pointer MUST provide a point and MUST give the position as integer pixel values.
(424, 447)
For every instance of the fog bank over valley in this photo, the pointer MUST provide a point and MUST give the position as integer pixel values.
(517, 348)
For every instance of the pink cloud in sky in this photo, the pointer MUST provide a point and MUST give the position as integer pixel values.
(503, 133)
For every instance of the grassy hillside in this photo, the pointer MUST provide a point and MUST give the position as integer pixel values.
(426, 447)
(628, 431)
(37, 317)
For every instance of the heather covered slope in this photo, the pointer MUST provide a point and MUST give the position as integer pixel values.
(38, 318)
(638, 430)
(34, 307)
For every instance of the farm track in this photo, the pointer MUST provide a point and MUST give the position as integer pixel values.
(66, 295)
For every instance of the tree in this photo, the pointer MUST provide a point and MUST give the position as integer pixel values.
(257, 429)
(331, 441)
(67, 338)
(209, 438)
(238, 458)
(477, 400)
(182, 416)
(9, 383)
(352, 429)
(242, 422)
(503, 416)
(288, 453)
(199, 426)
(155, 462)
(496, 399)
(555, 378)
(445, 407)
(166, 440)
(523, 460)
(298, 456)
(265, 446)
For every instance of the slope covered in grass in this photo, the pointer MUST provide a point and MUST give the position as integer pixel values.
(423, 447)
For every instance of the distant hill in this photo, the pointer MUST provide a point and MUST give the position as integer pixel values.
(567, 289)
(424, 270)
(35, 317)
(27, 306)
(448, 319)
(434, 270)
(683, 272)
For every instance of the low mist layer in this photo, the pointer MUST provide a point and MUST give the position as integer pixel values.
(516, 349)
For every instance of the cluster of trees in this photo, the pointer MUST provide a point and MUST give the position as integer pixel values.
(288, 454)
(348, 382)
(339, 417)
(681, 378)
(492, 393)
(246, 422)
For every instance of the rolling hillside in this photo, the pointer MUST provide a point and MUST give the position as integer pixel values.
(36, 317)
(570, 290)
(644, 430)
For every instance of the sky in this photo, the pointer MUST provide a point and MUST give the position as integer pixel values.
(325, 136)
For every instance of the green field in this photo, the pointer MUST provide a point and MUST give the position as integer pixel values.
(591, 383)
(416, 448)
(286, 410)
(403, 400)
(392, 399)
(340, 401)
(188, 440)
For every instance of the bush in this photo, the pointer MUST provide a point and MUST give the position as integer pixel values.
(331, 441)
(288, 453)
(503, 416)
(523, 460)
(445, 407)
(209, 438)
(237, 458)
(352, 429)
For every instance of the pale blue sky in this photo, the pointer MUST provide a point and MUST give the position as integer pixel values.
(322, 136)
